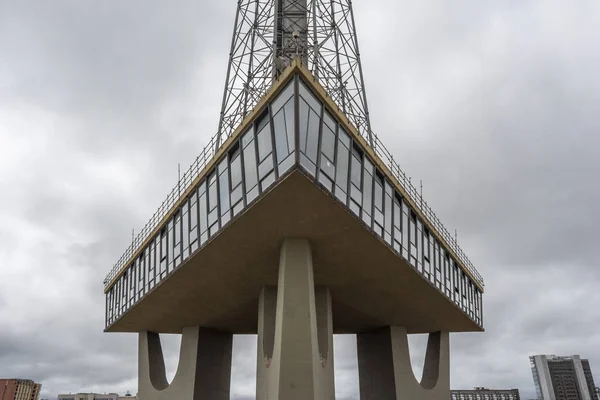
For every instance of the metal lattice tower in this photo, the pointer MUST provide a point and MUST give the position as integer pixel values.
(269, 34)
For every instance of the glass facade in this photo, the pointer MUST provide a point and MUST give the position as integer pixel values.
(264, 153)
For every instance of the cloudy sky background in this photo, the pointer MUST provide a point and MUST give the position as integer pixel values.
(494, 105)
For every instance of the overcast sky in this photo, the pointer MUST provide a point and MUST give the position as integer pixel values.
(494, 105)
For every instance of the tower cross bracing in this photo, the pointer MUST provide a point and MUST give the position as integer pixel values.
(269, 34)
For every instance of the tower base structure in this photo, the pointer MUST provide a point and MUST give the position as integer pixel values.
(295, 350)
(203, 372)
(295, 332)
(385, 371)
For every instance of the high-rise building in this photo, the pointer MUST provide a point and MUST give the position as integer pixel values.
(562, 378)
(294, 223)
(19, 389)
(481, 393)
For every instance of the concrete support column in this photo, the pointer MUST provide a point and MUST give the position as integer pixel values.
(385, 371)
(203, 372)
(295, 332)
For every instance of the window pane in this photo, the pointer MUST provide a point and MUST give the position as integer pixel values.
(356, 171)
(265, 146)
(303, 123)
(367, 192)
(224, 191)
(193, 211)
(250, 167)
(203, 213)
(248, 137)
(378, 194)
(283, 96)
(328, 120)
(341, 178)
(213, 195)
(328, 143)
(281, 138)
(312, 139)
(289, 125)
(388, 213)
(309, 98)
(236, 171)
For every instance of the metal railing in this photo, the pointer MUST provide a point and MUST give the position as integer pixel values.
(174, 196)
(209, 152)
(418, 200)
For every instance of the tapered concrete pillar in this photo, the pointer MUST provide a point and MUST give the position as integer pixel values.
(295, 332)
(203, 372)
(385, 371)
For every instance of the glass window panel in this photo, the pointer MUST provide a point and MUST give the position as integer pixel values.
(186, 236)
(238, 208)
(224, 191)
(443, 266)
(303, 123)
(250, 167)
(309, 98)
(290, 125)
(325, 181)
(355, 208)
(248, 137)
(267, 181)
(405, 234)
(328, 143)
(236, 195)
(163, 244)
(307, 164)
(397, 214)
(419, 245)
(312, 139)
(329, 121)
(193, 211)
(236, 171)
(213, 195)
(356, 171)
(368, 165)
(367, 193)
(378, 193)
(344, 137)
(283, 97)
(356, 194)
(251, 195)
(177, 229)
(281, 139)
(265, 167)
(327, 167)
(203, 213)
(388, 213)
(265, 145)
(213, 216)
(286, 164)
(426, 246)
(262, 121)
(343, 155)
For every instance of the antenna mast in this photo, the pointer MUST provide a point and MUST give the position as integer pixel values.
(269, 34)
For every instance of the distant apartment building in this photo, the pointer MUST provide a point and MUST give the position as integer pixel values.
(481, 393)
(562, 378)
(95, 396)
(19, 389)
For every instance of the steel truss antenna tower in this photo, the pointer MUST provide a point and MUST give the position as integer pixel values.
(269, 34)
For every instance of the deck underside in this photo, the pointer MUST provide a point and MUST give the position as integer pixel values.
(219, 286)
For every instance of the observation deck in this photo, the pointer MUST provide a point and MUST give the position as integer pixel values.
(295, 167)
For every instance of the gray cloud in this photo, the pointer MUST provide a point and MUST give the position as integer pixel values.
(493, 105)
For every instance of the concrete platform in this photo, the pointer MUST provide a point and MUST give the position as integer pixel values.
(219, 286)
